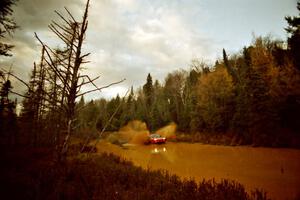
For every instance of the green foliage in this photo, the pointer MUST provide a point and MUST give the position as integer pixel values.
(148, 91)
(88, 115)
(294, 40)
(33, 115)
(215, 94)
(174, 87)
(6, 87)
(7, 25)
(8, 118)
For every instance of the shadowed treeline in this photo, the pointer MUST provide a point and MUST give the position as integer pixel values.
(251, 97)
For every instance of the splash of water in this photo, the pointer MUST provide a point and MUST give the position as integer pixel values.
(135, 125)
(168, 131)
(136, 132)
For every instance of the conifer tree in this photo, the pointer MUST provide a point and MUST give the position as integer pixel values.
(148, 91)
(7, 25)
(294, 40)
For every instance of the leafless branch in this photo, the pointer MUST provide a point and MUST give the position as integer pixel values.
(60, 35)
(85, 55)
(52, 64)
(21, 95)
(90, 80)
(99, 89)
(63, 18)
(74, 21)
(62, 28)
(16, 77)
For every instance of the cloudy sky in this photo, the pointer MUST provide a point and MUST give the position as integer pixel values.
(131, 38)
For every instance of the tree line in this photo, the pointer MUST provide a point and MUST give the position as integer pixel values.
(253, 96)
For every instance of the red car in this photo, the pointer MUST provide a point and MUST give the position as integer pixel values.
(156, 139)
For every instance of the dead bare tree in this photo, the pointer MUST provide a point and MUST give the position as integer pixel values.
(65, 65)
(56, 81)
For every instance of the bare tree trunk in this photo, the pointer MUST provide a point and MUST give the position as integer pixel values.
(60, 68)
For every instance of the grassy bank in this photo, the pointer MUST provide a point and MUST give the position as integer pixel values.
(33, 174)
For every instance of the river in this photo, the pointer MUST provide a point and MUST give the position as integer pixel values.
(275, 170)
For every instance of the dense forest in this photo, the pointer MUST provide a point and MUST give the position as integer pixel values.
(253, 96)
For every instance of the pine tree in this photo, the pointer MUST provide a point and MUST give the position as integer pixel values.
(148, 91)
(7, 25)
(294, 40)
(130, 107)
(149, 99)
(33, 112)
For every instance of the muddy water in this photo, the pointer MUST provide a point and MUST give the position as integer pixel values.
(277, 171)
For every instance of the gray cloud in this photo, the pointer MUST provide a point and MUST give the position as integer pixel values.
(141, 37)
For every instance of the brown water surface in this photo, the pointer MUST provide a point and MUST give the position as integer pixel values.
(277, 171)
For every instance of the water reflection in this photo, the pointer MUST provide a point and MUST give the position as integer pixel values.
(157, 150)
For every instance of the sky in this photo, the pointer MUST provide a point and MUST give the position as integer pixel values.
(131, 38)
